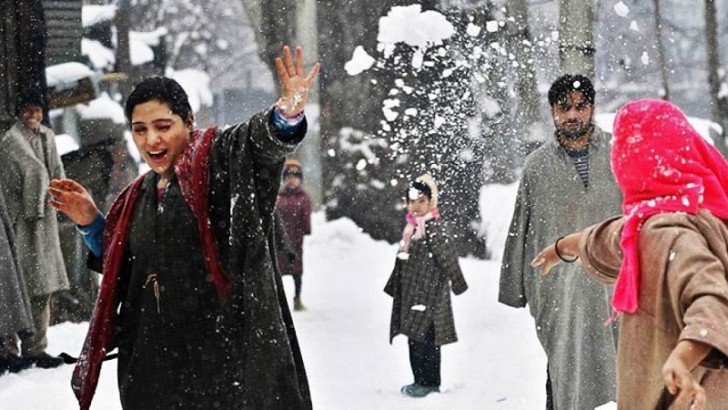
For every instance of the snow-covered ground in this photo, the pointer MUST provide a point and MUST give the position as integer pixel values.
(497, 364)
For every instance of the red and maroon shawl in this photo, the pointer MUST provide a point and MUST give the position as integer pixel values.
(193, 172)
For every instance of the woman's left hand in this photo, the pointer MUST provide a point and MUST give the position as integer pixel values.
(294, 86)
(546, 259)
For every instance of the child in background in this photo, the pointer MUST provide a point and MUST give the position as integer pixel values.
(294, 207)
(668, 257)
(420, 287)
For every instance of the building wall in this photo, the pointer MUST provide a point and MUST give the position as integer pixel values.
(63, 19)
(7, 65)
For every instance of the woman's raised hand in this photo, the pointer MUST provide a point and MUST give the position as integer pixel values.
(294, 86)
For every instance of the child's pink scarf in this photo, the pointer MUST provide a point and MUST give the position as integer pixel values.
(415, 228)
(662, 165)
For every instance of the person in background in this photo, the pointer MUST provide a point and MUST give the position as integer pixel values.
(190, 296)
(668, 258)
(426, 266)
(15, 313)
(29, 161)
(284, 247)
(294, 208)
(567, 184)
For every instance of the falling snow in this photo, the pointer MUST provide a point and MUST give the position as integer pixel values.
(360, 62)
(621, 9)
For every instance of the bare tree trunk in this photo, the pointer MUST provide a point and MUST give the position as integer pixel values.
(8, 69)
(310, 151)
(352, 105)
(719, 105)
(576, 37)
(123, 59)
(274, 22)
(526, 86)
(661, 51)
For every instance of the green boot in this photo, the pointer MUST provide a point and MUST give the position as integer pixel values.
(298, 305)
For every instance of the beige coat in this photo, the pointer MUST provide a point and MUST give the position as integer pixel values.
(29, 161)
(683, 295)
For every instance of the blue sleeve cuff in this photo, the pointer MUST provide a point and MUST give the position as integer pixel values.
(285, 128)
(93, 234)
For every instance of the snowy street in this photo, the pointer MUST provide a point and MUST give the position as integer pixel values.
(497, 364)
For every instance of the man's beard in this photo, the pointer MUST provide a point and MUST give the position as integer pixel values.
(574, 134)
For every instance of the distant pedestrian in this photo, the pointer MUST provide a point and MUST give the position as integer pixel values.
(29, 160)
(15, 311)
(426, 266)
(567, 184)
(294, 207)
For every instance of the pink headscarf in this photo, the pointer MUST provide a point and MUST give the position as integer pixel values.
(662, 165)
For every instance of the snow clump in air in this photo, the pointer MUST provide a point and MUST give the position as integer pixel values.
(411, 26)
(360, 62)
(621, 9)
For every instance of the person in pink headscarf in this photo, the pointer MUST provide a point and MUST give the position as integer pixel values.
(668, 258)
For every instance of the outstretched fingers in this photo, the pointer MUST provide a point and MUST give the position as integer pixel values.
(545, 260)
(299, 61)
(281, 70)
(288, 61)
(66, 185)
(312, 74)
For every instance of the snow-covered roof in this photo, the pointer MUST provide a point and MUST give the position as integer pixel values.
(150, 38)
(101, 57)
(102, 107)
(139, 52)
(65, 144)
(67, 73)
(94, 14)
(196, 84)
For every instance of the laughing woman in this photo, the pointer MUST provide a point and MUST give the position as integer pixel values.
(189, 294)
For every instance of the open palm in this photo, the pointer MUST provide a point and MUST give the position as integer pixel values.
(294, 85)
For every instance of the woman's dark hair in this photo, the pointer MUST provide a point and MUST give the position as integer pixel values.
(162, 89)
(569, 83)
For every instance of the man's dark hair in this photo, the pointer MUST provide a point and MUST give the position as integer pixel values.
(29, 97)
(162, 89)
(569, 83)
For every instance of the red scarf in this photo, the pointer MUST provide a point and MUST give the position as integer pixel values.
(662, 165)
(192, 170)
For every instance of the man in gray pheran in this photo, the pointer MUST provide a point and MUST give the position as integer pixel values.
(567, 185)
